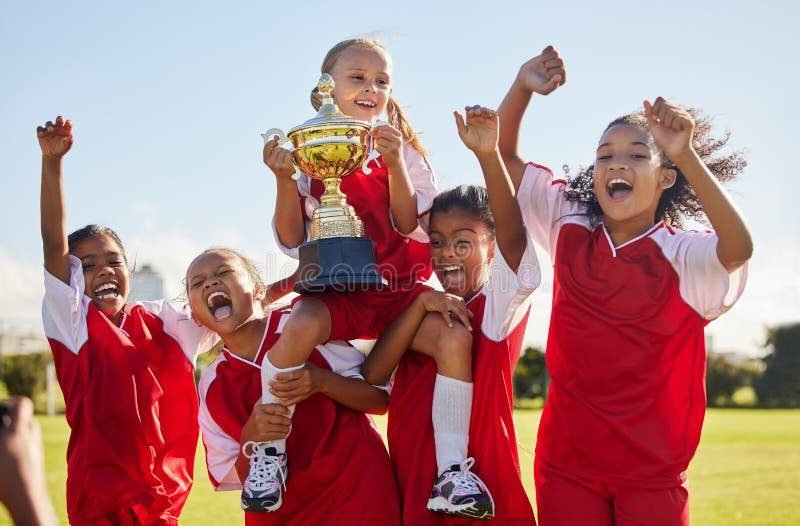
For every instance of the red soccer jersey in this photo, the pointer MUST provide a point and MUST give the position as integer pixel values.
(339, 470)
(626, 350)
(401, 259)
(131, 402)
(500, 313)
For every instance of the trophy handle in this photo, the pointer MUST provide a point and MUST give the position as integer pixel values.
(373, 154)
(282, 139)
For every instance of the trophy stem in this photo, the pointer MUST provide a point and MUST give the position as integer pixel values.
(333, 195)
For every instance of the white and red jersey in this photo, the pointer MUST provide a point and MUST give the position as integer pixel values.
(500, 314)
(626, 350)
(131, 401)
(400, 259)
(339, 469)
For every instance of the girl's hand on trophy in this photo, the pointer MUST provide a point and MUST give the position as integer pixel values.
(295, 386)
(267, 422)
(55, 139)
(389, 142)
(279, 160)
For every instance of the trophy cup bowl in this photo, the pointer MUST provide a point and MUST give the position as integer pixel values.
(330, 147)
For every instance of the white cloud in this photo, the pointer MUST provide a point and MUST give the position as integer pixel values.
(21, 290)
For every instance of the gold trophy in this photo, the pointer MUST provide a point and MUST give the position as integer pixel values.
(329, 147)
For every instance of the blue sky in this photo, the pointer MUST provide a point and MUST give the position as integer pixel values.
(168, 100)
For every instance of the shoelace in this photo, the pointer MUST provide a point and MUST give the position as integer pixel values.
(468, 482)
(263, 468)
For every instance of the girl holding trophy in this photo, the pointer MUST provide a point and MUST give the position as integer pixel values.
(398, 190)
(632, 295)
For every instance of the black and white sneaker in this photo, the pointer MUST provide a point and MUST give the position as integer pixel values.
(458, 491)
(263, 489)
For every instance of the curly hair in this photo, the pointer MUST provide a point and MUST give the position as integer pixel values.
(678, 202)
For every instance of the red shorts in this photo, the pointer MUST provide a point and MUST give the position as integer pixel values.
(567, 500)
(365, 314)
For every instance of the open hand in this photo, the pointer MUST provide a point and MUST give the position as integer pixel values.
(670, 125)
(55, 139)
(480, 131)
(544, 73)
(278, 159)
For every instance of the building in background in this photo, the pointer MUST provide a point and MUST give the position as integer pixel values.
(146, 284)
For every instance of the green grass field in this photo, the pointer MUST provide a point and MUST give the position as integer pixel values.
(747, 470)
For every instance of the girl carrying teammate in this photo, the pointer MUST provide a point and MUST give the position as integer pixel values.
(127, 372)
(632, 294)
(389, 201)
(340, 469)
(482, 254)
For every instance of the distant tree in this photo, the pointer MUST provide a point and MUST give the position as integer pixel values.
(530, 374)
(723, 378)
(24, 374)
(779, 386)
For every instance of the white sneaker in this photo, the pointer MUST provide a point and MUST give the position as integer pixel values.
(263, 489)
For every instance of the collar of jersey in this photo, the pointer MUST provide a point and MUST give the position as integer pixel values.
(614, 249)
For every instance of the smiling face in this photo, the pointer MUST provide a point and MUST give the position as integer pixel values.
(628, 176)
(221, 293)
(363, 81)
(462, 248)
(105, 272)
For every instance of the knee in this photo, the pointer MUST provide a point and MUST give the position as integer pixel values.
(309, 316)
(454, 344)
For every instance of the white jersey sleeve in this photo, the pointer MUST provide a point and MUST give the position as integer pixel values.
(545, 208)
(508, 293)
(309, 204)
(705, 285)
(221, 450)
(178, 324)
(65, 306)
(422, 178)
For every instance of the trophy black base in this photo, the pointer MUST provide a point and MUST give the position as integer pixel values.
(343, 264)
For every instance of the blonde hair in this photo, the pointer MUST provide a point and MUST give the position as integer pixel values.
(396, 114)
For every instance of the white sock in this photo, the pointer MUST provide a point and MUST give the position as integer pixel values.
(452, 410)
(268, 373)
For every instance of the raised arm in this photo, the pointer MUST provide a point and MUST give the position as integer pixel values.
(55, 140)
(672, 128)
(541, 74)
(289, 222)
(479, 133)
(402, 198)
